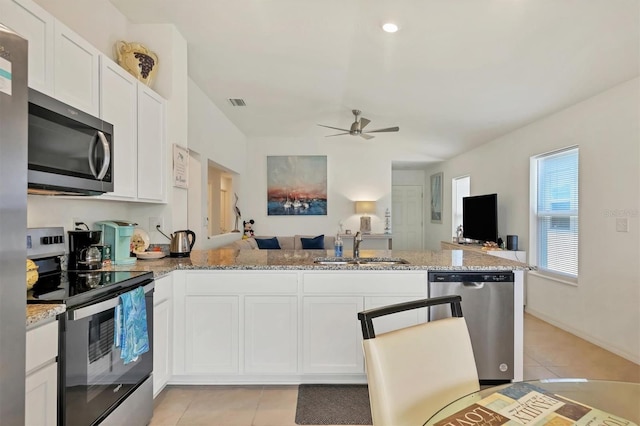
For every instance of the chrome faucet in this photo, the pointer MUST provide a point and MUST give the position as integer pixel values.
(357, 239)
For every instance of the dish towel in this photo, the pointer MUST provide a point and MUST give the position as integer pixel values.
(131, 334)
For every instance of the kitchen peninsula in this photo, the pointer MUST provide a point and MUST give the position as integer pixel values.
(229, 316)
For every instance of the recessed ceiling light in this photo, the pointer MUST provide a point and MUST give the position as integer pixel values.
(390, 28)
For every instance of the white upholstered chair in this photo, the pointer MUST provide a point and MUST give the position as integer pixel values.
(413, 372)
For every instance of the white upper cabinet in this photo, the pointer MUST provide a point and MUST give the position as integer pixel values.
(151, 145)
(137, 114)
(76, 70)
(61, 63)
(119, 106)
(36, 25)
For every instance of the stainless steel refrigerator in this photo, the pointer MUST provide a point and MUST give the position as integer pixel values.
(13, 224)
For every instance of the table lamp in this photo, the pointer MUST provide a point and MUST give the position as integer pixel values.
(364, 208)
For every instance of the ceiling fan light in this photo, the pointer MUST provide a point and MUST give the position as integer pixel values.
(390, 27)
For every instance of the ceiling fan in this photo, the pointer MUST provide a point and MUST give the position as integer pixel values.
(358, 126)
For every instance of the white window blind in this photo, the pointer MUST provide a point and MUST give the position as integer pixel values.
(557, 212)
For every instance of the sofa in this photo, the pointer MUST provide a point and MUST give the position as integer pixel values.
(286, 242)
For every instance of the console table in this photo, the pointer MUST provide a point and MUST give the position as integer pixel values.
(385, 241)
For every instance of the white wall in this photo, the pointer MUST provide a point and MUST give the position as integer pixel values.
(214, 139)
(356, 170)
(605, 305)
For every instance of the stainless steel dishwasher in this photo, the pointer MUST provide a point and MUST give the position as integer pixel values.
(487, 306)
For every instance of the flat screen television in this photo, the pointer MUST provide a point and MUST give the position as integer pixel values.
(480, 217)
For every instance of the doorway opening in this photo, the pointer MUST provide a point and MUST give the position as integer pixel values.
(220, 195)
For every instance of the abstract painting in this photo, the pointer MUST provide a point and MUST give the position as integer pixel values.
(297, 185)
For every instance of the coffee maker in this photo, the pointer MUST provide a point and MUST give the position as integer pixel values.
(82, 254)
(117, 234)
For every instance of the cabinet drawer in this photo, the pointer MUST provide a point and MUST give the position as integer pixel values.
(365, 282)
(42, 345)
(259, 282)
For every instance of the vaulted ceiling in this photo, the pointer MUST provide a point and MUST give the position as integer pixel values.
(458, 73)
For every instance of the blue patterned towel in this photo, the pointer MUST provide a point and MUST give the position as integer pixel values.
(131, 334)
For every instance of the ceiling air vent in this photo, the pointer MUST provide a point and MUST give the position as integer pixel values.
(237, 102)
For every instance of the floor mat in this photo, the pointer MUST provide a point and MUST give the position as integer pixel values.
(333, 405)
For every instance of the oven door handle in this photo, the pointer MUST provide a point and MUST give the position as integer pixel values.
(97, 308)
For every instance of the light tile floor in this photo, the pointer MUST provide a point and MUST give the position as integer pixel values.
(548, 352)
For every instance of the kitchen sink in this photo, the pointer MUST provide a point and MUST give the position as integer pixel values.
(362, 261)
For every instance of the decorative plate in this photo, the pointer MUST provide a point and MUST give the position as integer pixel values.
(146, 255)
(139, 240)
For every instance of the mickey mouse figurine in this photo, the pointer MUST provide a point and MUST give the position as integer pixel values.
(248, 229)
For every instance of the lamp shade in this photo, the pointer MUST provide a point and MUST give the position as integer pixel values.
(364, 207)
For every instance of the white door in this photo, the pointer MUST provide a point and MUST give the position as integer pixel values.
(407, 215)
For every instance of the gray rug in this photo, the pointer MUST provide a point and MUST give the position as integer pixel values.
(333, 405)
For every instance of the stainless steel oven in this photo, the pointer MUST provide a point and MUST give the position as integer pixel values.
(96, 384)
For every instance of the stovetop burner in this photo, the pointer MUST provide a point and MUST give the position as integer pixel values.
(73, 288)
(45, 246)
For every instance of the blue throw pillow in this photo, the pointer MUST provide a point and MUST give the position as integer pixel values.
(315, 243)
(268, 243)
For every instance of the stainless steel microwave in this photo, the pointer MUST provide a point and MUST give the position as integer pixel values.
(70, 152)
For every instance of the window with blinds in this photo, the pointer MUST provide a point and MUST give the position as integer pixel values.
(557, 212)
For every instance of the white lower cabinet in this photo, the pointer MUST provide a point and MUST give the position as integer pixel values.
(270, 334)
(41, 380)
(41, 389)
(282, 326)
(211, 334)
(331, 336)
(162, 333)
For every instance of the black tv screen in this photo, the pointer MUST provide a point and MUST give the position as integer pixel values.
(480, 217)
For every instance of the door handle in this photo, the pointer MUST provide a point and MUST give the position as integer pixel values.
(472, 285)
(97, 308)
(107, 156)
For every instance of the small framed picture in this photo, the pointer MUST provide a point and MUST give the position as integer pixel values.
(180, 166)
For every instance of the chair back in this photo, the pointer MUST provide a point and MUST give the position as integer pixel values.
(413, 372)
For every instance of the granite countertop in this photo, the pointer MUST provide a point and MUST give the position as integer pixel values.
(42, 312)
(231, 259)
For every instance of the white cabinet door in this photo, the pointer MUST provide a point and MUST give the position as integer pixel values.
(162, 325)
(271, 329)
(41, 380)
(395, 321)
(331, 336)
(151, 145)
(76, 70)
(119, 106)
(162, 332)
(211, 334)
(41, 397)
(35, 24)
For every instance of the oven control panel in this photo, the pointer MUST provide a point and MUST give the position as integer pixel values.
(42, 242)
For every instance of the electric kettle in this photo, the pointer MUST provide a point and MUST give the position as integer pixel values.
(181, 244)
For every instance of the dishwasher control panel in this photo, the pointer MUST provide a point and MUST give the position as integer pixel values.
(485, 277)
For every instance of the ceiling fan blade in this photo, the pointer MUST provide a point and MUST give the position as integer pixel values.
(337, 134)
(334, 128)
(388, 129)
(364, 122)
(366, 136)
